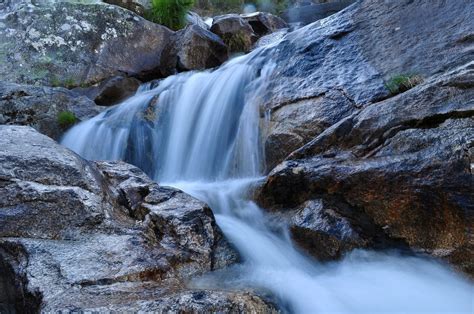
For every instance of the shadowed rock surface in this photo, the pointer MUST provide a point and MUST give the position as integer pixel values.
(110, 91)
(39, 107)
(264, 23)
(84, 235)
(235, 31)
(200, 49)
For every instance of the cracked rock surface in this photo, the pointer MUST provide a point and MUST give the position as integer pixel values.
(332, 68)
(79, 235)
(401, 167)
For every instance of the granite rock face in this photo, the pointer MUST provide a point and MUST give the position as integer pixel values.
(76, 44)
(89, 235)
(332, 68)
(403, 164)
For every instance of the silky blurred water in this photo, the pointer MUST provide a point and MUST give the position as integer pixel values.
(200, 132)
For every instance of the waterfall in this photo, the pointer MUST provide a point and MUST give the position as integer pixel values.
(199, 132)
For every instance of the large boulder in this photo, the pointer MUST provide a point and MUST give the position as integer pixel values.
(200, 49)
(235, 31)
(41, 107)
(77, 44)
(405, 163)
(264, 23)
(331, 69)
(79, 235)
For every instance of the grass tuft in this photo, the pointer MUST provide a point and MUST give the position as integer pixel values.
(66, 119)
(171, 13)
(403, 82)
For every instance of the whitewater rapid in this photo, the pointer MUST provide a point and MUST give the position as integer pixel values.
(200, 132)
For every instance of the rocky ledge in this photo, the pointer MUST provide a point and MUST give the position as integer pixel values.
(79, 235)
(366, 164)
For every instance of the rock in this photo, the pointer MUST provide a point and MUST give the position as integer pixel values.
(193, 18)
(200, 49)
(311, 12)
(74, 44)
(137, 6)
(293, 125)
(405, 162)
(264, 23)
(111, 91)
(323, 232)
(199, 302)
(40, 107)
(236, 32)
(77, 235)
(333, 63)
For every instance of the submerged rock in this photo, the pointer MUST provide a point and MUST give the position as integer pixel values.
(79, 235)
(42, 107)
(75, 44)
(200, 49)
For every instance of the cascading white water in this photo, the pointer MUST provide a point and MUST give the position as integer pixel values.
(200, 132)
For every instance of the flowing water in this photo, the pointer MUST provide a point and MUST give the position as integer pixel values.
(200, 132)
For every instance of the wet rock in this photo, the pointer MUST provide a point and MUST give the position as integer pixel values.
(323, 232)
(76, 234)
(40, 107)
(235, 31)
(337, 55)
(264, 23)
(74, 44)
(293, 125)
(405, 162)
(200, 49)
(111, 91)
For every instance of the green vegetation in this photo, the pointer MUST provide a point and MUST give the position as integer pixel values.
(68, 83)
(66, 119)
(171, 13)
(401, 83)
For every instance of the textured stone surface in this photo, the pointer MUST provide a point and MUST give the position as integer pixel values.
(337, 56)
(110, 91)
(77, 234)
(235, 31)
(405, 162)
(39, 107)
(264, 23)
(200, 49)
(73, 44)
